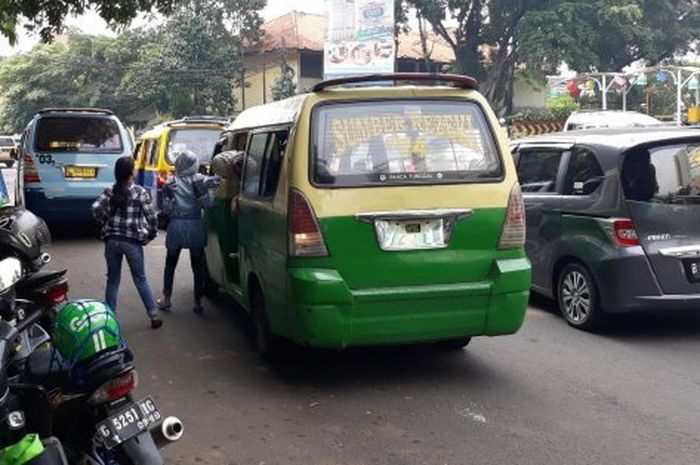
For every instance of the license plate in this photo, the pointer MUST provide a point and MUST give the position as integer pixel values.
(80, 171)
(395, 235)
(692, 270)
(128, 422)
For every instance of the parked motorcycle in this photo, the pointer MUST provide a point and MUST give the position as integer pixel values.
(25, 411)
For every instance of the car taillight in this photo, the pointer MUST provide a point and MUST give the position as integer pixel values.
(624, 232)
(57, 293)
(305, 238)
(114, 389)
(513, 233)
(31, 174)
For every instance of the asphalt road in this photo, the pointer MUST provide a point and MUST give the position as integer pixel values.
(548, 395)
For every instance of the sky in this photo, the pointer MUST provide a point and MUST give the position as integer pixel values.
(91, 23)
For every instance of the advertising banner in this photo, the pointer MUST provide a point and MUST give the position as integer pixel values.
(359, 38)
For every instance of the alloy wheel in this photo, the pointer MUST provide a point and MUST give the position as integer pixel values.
(576, 297)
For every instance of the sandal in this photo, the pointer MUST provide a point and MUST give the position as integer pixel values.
(164, 304)
(156, 322)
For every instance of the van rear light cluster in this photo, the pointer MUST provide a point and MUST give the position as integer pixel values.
(31, 174)
(513, 233)
(305, 238)
(624, 232)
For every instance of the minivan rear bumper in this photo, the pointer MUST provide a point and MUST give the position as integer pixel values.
(627, 283)
(59, 209)
(327, 313)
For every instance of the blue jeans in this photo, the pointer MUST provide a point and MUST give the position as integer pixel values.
(115, 249)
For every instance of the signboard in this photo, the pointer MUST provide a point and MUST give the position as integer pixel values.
(359, 38)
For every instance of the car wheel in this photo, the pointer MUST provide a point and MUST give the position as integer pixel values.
(578, 298)
(453, 344)
(265, 343)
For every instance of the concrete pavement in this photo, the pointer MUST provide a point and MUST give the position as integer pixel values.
(549, 394)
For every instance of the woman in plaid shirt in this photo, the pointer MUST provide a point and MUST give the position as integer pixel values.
(128, 221)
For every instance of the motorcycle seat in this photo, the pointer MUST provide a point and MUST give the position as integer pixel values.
(46, 367)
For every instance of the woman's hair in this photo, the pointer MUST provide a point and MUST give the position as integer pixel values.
(123, 171)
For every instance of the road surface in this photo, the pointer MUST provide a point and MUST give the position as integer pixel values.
(548, 395)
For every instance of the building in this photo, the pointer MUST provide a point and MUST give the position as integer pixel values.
(299, 37)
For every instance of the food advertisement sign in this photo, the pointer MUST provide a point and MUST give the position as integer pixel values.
(359, 38)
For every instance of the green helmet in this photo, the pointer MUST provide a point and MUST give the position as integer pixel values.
(85, 328)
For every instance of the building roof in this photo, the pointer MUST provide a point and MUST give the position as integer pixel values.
(306, 31)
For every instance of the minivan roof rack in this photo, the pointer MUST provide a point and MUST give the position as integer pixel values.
(75, 110)
(457, 80)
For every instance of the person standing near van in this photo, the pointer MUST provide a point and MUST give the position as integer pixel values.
(184, 197)
(128, 221)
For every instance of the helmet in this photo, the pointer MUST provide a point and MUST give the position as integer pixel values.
(85, 328)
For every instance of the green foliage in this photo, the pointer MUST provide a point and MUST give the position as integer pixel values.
(562, 107)
(533, 114)
(46, 17)
(491, 37)
(284, 86)
(189, 65)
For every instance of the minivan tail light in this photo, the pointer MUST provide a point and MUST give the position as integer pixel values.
(624, 232)
(305, 238)
(513, 233)
(31, 174)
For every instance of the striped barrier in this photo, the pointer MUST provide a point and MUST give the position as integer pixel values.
(533, 128)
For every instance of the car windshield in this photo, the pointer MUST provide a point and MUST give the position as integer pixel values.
(663, 174)
(199, 141)
(402, 142)
(78, 134)
(6, 142)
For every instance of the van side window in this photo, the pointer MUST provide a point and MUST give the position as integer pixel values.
(537, 170)
(273, 162)
(584, 174)
(237, 141)
(254, 164)
(153, 152)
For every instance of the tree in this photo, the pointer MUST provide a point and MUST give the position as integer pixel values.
(80, 70)
(194, 60)
(491, 36)
(46, 17)
(284, 86)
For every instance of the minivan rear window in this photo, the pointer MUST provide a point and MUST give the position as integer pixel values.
(77, 134)
(663, 174)
(401, 142)
(199, 141)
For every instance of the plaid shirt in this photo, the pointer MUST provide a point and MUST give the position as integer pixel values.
(138, 221)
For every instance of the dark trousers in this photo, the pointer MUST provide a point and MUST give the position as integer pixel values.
(198, 270)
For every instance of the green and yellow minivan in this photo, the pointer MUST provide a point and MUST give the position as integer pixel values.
(155, 148)
(378, 214)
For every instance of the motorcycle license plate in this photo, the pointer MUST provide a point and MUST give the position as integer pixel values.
(128, 422)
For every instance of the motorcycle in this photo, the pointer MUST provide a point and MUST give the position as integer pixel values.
(93, 412)
(25, 427)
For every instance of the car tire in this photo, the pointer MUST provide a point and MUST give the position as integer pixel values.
(453, 344)
(266, 344)
(578, 300)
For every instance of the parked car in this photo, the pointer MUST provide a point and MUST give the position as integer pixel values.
(156, 148)
(372, 215)
(608, 119)
(68, 159)
(7, 144)
(613, 220)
